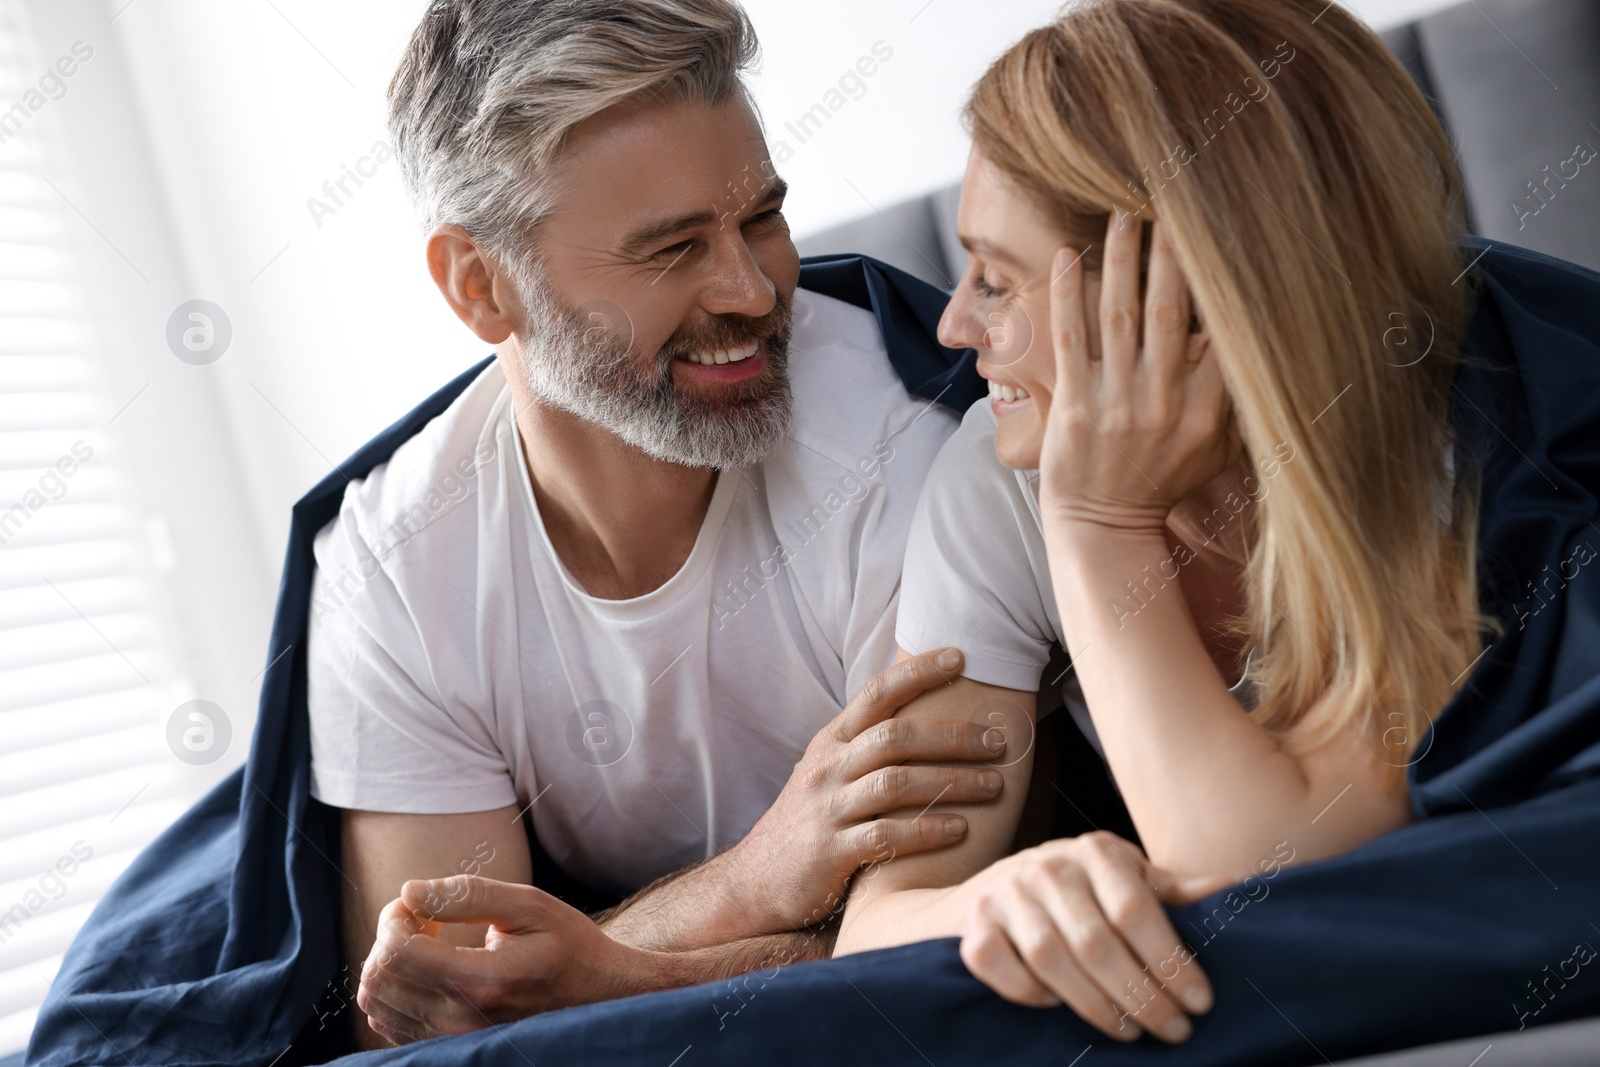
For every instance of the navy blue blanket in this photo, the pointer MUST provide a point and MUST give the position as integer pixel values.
(219, 944)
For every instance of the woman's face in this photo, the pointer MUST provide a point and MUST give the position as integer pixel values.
(1002, 306)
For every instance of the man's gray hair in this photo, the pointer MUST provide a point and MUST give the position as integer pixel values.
(488, 90)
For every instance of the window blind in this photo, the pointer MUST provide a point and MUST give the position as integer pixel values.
(86, 677)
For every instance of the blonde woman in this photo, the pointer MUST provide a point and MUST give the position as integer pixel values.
(1209, 468)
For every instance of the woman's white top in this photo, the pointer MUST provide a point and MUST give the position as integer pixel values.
(977, 577)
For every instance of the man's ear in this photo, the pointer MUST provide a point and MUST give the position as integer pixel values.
(480, 294)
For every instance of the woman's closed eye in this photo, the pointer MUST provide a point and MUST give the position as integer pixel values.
(983, 288)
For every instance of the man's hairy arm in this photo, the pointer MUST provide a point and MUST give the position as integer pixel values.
(383, 851)
(742, 957)
(861, 793)
(759, 901)
(669, 915)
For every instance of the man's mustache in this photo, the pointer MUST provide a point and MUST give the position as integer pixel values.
(729, 331)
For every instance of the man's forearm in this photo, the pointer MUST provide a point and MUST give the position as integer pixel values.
(690, 927)
(650, 972)
(698, 907)
(744, 957)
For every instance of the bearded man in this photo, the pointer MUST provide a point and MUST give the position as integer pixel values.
(624, 588)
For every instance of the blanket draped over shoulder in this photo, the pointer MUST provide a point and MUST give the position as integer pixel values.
(219, 945)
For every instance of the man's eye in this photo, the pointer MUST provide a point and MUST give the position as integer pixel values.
(774, 215)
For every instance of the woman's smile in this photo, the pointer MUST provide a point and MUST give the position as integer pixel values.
(1006, 398)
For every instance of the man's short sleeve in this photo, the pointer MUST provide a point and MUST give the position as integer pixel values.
(976, 576)
(381, 738)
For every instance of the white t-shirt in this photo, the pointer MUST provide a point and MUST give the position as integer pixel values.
(977, 576)
(455, 666)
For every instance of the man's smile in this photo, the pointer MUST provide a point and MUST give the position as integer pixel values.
(723, 365)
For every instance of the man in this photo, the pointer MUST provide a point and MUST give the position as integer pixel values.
(623, 587)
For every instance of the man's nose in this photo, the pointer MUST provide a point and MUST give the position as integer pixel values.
(738, 286)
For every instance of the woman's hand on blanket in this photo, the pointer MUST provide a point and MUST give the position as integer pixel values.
(1079, 921)
(539, 954)
(825, 825)
(1133, 428)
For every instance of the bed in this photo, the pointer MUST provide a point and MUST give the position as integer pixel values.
(219, 944)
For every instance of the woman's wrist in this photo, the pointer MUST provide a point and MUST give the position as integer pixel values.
(1091, 534)
(1086, 518)
(1103, 575)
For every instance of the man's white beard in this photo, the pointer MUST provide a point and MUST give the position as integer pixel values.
(579, 359)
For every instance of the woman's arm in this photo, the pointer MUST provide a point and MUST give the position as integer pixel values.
(1135, 429)
(1075, 921)
(1209, 790)
(895, 900)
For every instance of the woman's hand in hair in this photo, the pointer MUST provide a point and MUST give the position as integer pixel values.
(1078, 921)
(1139, 417)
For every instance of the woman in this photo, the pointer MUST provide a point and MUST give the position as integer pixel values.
(1210, 240)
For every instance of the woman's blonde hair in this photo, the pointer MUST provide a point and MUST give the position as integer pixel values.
(1312, 201)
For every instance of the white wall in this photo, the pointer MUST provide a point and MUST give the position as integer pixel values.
(249, 107)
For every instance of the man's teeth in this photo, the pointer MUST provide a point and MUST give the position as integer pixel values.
(1006, 392)
(724, 355)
